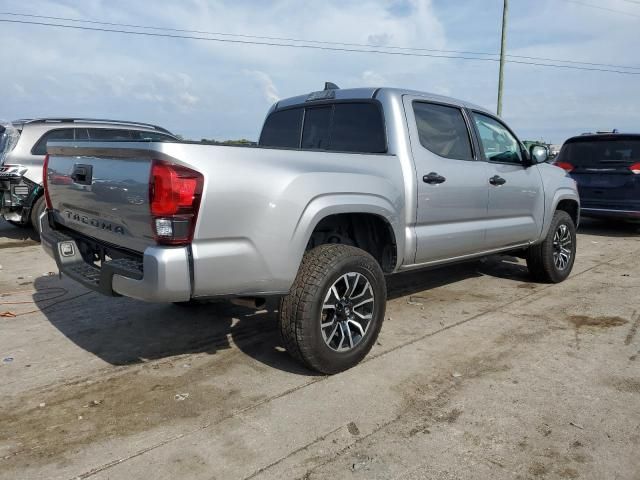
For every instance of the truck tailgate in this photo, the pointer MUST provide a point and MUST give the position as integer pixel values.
(102, 193)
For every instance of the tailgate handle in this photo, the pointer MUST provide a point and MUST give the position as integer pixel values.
(82, 174)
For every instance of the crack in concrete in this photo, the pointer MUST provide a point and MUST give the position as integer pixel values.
(634, 328)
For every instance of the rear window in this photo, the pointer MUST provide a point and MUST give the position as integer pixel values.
(315, 134)
(345, 127)
(282, 129)
(358, 127)
(601, 153)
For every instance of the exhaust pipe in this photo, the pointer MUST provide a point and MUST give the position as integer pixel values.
(256, 303)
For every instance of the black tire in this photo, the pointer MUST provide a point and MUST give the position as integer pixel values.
(541, 257)
(36, 210)
(18, 224)
(301, 311)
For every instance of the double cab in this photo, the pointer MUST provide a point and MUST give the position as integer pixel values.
(345, 187)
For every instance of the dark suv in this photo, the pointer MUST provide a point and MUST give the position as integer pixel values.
(606, 167)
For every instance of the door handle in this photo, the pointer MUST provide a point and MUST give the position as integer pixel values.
(497, 180)
(433, 178)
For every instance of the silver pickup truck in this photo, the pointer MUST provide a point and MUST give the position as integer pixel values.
(345, 187)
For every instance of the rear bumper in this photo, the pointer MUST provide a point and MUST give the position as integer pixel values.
(162, 276)
(609, 213)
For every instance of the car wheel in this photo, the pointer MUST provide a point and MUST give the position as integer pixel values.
(333, 313)
(551, 260)
(36, 211)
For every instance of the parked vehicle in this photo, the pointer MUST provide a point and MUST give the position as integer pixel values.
(606, 167)
(21, 200)
(345, 187)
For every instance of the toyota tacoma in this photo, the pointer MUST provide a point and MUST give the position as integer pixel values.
(345, 187)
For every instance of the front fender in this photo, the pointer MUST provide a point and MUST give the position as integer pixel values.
(564, 193)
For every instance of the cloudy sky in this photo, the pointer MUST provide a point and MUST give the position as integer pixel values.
(222, 90)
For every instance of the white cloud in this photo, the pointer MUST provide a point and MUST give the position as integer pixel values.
(373, 79)
(269, 89)
(188, 99)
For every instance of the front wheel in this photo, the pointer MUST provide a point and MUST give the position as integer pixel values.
(551, 260)
(333, 313)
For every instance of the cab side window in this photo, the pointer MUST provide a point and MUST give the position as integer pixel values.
(59, 134)
(150, 136)
(498, 144)
(109, 134)
(443, 130)
(282, 129)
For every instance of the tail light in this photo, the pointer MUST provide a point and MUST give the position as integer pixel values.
(45, 182)
(174, 196)
(635, 168)
(565, 166)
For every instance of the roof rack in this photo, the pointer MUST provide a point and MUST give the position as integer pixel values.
(93, 120)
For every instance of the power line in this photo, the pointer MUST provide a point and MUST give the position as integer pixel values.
(320, 42)
(313, 47)
(590, 5)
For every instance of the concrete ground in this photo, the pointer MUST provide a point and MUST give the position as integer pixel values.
(478, 373)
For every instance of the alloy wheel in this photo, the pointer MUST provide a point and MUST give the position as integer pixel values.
(347, 311)
(562, 247)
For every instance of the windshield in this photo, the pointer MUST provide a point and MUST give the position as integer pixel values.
(8, 139)
(601, 153)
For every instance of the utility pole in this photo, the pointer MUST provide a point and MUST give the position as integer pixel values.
(503, 47)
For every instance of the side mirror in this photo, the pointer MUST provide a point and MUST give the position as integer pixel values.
(539, 154)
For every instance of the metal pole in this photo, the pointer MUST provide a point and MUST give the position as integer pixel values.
(503, 48)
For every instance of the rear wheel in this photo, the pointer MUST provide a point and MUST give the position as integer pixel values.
(36, 211)
(333, 313)
(552, 260)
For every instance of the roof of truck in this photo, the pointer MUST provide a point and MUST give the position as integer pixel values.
(373, 92)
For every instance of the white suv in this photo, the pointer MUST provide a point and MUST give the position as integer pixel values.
(23, 146)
